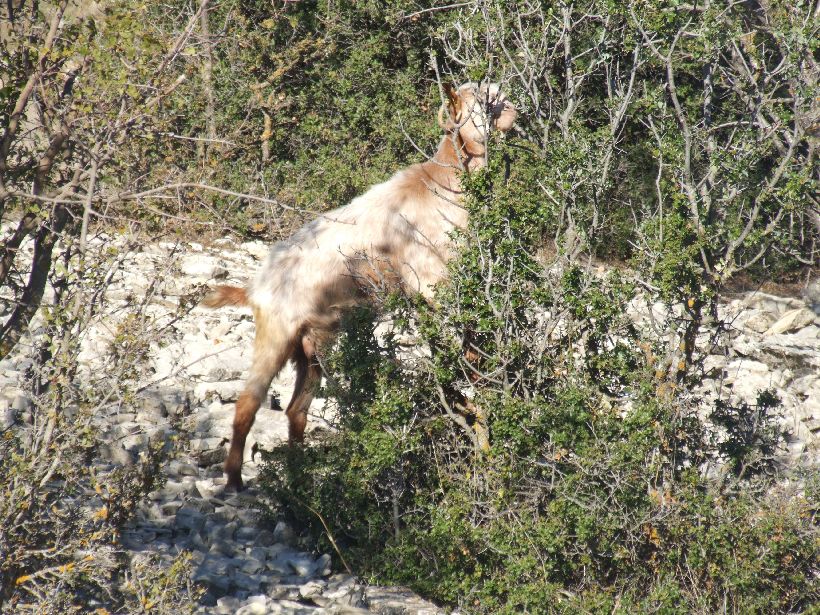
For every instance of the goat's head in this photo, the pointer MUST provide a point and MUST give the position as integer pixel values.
(474, 110)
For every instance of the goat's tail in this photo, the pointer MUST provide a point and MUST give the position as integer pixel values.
(221, 296)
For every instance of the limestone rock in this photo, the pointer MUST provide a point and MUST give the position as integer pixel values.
(771, 303)
(398, 601)
(342, 590)
(311, 589)
(759, 322)
(791, 321)
(211, 456)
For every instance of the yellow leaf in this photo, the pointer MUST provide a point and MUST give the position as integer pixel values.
(653, 535)
(102, 513)
(23, 579)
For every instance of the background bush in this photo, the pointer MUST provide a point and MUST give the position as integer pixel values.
(604, 490)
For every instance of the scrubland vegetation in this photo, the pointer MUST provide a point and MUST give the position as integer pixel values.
(664, 150)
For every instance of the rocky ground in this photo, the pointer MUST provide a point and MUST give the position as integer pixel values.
(194, 364)
(770, 343)
(774, 343)
(188, 386)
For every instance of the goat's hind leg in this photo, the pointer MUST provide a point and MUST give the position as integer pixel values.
(267, 362)
(308, 375)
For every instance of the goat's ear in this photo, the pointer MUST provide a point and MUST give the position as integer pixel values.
(453, 100)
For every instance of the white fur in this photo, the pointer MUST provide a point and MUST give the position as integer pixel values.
(298, 268)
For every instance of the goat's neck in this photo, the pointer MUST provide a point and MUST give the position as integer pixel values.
(460, 154)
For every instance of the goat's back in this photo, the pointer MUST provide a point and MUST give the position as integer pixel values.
(400, 226)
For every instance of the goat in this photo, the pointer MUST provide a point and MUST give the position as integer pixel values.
(398, 231)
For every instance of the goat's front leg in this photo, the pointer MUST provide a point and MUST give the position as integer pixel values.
(246, 407)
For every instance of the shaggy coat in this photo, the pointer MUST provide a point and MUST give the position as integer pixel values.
(398, 233)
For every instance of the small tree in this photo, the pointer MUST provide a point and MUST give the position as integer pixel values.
(72, 121)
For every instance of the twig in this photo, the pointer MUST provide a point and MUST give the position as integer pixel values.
(434, 8)
(327, 531)
(130, 196)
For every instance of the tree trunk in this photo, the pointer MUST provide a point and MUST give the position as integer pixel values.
(44, 242)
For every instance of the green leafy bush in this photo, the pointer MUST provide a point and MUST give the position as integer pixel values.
(596, 495)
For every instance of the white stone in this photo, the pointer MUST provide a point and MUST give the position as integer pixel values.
(311, 589)
(227, 604)
(253, 608)
(809, 333)
(226, 391)
(323, 565)
(791, 321)
(206, 488)
(252, 566)
(771, 303)
(759, 322)
(302, 564)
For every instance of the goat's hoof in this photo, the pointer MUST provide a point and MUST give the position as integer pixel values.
(235, 484)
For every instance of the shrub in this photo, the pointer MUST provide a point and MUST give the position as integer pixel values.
(62, 508)
(596, 494)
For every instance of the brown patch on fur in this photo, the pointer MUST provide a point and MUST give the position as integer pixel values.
(440, 176)
(221, 296)
(374, 275)
(308, 376)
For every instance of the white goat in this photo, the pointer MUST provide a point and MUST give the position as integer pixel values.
(398, 231)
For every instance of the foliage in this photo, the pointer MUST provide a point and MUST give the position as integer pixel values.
(596, 495)
(753, 434)
(599, 493)
(649, 135)
(63, 508)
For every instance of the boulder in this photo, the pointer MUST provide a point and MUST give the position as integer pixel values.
(759, 322)
(792, 321)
